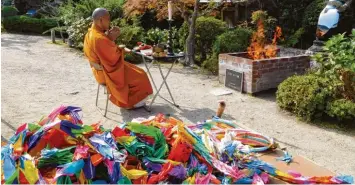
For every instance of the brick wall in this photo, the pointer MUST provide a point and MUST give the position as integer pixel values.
(263, 74)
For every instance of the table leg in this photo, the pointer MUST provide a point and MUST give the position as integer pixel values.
(166, 84)
(148, 108)
(148, 70)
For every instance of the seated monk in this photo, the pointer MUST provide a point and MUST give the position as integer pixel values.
(129, 86)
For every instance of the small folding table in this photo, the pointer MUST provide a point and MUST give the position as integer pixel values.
(167, 59)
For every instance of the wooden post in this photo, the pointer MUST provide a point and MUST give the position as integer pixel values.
(53, 35)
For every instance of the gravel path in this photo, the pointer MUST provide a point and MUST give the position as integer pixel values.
(38, 77)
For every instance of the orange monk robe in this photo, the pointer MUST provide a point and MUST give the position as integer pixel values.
(127, 83)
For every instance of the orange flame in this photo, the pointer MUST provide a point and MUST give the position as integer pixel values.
(258, 48)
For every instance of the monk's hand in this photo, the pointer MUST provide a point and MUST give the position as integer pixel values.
(113, 33)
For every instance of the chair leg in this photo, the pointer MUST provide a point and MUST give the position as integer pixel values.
(106, 103)
(97, 94)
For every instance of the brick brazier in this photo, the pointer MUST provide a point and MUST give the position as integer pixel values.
(262, 74)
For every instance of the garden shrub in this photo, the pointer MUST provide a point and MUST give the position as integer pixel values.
(306, 95)
(311, 15)
(337, 62)
(7, 11)
(130, 33)
(269, 22)
(342, 109)
(207, 30)
(71, 12)
(78, 30)
(294, 39)
(290, 14)
(157, 35)
(236, 40)
(27, 24)
(76, 17)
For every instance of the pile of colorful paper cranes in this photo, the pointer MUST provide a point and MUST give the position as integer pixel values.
(60, 149)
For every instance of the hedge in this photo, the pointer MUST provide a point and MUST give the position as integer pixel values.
(27, 24)
(306, 96)
(7, 11)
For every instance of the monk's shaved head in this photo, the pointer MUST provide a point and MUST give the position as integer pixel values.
(98, 13)
(101, 18)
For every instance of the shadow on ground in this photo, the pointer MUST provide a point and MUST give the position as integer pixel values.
(183, 113)
(268, 95)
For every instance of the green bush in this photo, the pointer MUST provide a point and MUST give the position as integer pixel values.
(339, 54)
(295, 38)
(236, 40)
(78, 30)
(130, 33)
(233, 41)
(156, 35)
(207, 30)
(7, 11)
(337, 63)
(290, 15)
(71, 12)
(311, 15)
(269, 22)
(341, 109)
(306, 95)
(27, 24)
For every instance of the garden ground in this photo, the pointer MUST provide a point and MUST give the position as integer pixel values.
(38, 77)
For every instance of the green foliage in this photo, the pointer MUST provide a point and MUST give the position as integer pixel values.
(183, 33)
(311, 15)
(155, 36)
(341, 109)
(337, 63)
(207, 30)
(268, 21)
(2, 28)
(295, 38)
(258, 15)
(130, 33)
(306, 96)
(211, 64)
(76, 17)
(290, 14)
(71, 12)
(67, 13)
(236, 40)
(339, 54)
(7, 11)
(78, 30)
(27, 24)
(330, 89)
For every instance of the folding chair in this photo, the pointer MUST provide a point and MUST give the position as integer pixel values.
(100, 68)
(107, 97)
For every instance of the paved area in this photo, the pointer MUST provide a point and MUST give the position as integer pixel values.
(37, 77)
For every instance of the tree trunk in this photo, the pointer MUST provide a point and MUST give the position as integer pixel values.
(190, 41)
